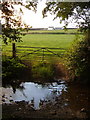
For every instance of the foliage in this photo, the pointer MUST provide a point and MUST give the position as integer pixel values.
(12, 21)
(77, 61)
(11, 68)
(66, 10)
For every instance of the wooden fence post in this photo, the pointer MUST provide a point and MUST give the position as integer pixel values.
(13, 50)
(43, 55)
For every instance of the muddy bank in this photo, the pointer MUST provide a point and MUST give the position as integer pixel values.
(73, 104)
(51, 110)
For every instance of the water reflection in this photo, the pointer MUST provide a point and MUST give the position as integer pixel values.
(14, 84)
(35, 94)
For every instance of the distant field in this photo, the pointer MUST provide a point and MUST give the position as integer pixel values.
(54, 31)
(43, 40)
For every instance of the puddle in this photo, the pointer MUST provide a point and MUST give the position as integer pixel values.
(33, 93)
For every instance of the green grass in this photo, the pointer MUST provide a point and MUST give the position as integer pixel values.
(43, 40)
(47, 40)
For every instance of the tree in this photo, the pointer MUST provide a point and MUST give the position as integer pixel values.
(11, 22)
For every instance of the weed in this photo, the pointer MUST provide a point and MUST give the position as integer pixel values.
(44, 71)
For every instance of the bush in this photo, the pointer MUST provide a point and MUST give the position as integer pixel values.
(11, 68)
(78, 62)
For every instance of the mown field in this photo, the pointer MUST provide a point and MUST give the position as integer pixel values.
(53, 40)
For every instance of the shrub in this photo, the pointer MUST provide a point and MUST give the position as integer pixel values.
(11, 68)
(77, 61)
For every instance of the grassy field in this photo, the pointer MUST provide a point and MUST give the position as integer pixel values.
(43, 40)
(47, 40)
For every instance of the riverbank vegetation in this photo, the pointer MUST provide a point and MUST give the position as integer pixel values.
(12, 69)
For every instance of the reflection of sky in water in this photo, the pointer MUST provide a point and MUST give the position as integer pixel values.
(35, 93)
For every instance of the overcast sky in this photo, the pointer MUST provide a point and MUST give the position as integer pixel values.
(36, 19)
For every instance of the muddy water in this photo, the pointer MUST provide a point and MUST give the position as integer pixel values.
(75, 96)
(33, 93)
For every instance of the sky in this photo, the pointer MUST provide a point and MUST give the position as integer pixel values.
(36, 20)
